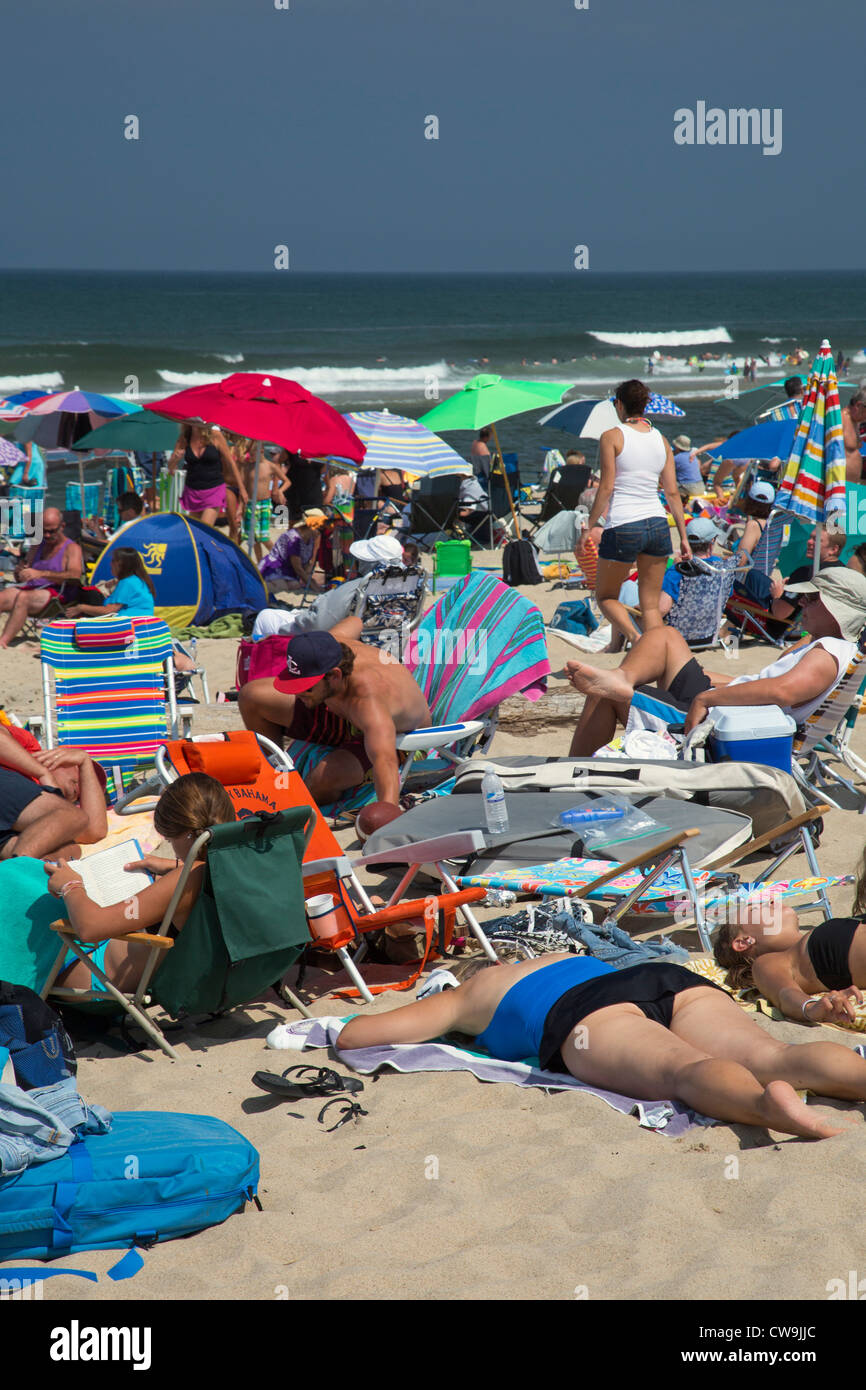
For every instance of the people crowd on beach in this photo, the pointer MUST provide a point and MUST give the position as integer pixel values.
(656, 1030)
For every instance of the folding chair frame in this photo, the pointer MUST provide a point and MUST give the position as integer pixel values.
(136, 1005)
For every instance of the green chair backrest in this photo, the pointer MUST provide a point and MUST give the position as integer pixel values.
(248, 924)
(453, 558)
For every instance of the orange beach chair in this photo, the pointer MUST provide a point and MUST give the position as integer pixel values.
(259, 777)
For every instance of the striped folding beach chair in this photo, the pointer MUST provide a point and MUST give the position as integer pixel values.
(699, 611)
(825, 737)
(746, 614)
(113, 692)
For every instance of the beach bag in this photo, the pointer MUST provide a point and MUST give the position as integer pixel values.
(33, 1037)
(576, 617)
(152, 1177)
(520, 564)
(262, 658)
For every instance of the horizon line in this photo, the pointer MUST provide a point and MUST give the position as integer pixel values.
(162, 270)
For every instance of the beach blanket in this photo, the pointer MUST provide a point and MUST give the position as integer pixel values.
(566, 877)
(28, 946)
(232, 625)
(664, 1116)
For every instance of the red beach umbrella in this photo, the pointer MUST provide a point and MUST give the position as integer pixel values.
(269, 408)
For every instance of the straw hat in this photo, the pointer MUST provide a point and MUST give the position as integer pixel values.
(682, 441)
(315, 517)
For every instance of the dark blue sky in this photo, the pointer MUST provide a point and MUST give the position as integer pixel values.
(305, 127)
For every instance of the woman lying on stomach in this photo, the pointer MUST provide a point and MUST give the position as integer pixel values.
(789, 966)
(189, 806)
(654, 1032)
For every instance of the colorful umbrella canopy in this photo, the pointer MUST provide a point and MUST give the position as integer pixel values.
(486, 399)
(58, 420)
(813, 485)
(589, 419)
(267, 408)
(142, 430)
(395, 441)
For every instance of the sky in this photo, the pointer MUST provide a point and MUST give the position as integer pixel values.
(261, 127)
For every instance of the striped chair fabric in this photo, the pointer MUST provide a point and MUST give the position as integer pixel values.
(110, 691)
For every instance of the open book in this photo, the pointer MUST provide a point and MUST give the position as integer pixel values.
(105, 878)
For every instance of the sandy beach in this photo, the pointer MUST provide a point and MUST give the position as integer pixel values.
(450, 1188)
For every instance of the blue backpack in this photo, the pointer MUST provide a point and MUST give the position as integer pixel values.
(576, 617)
(152, 1177)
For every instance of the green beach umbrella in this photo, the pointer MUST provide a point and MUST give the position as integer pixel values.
(140, 430)
(486, 399)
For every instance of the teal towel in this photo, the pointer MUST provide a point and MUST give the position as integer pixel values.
(28, 946)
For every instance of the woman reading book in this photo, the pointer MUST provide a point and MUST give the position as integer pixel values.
(189, 806)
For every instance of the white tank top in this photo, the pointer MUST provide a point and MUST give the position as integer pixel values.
(638, 468)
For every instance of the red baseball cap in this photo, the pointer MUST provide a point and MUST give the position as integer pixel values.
(309, 657)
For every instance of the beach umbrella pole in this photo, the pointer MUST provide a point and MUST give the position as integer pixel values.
(507, 487)
(252, 526)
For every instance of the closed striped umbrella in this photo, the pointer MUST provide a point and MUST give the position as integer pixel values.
(395, 441)
(813, 486)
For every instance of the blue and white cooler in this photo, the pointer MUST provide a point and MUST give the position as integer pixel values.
(752, 734)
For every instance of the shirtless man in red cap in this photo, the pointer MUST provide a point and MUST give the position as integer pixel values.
(345, 694)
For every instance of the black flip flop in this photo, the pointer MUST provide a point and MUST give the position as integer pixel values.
(323, 1082)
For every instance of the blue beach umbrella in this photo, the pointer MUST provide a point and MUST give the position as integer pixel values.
(770, 440)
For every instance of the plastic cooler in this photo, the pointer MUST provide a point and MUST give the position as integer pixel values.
(752, 734)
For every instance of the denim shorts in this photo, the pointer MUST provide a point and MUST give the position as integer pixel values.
(651, 536)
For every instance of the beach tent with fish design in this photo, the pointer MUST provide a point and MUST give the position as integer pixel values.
(197, 572)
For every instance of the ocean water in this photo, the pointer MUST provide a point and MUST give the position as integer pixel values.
(370, 341)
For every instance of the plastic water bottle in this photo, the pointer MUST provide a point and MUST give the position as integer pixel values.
(500, 897)
(495, 810)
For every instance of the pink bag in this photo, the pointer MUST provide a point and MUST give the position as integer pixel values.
(266, 657)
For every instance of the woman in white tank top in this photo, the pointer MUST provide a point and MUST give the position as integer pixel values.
(635, 461)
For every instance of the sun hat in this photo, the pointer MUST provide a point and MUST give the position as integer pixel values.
(314, 516)
(843, 594)
(378, 549)
(309, 656)
(682, 441)
(700, 528)
(762, 492)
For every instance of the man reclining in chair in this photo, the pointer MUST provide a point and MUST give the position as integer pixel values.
(343, 694)
(51, 802)
(661, 665)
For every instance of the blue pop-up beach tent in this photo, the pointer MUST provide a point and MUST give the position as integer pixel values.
(198, 573)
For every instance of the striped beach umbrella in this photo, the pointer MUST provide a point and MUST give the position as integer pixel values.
(813, 486)
(395, 441)
(589, 419)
